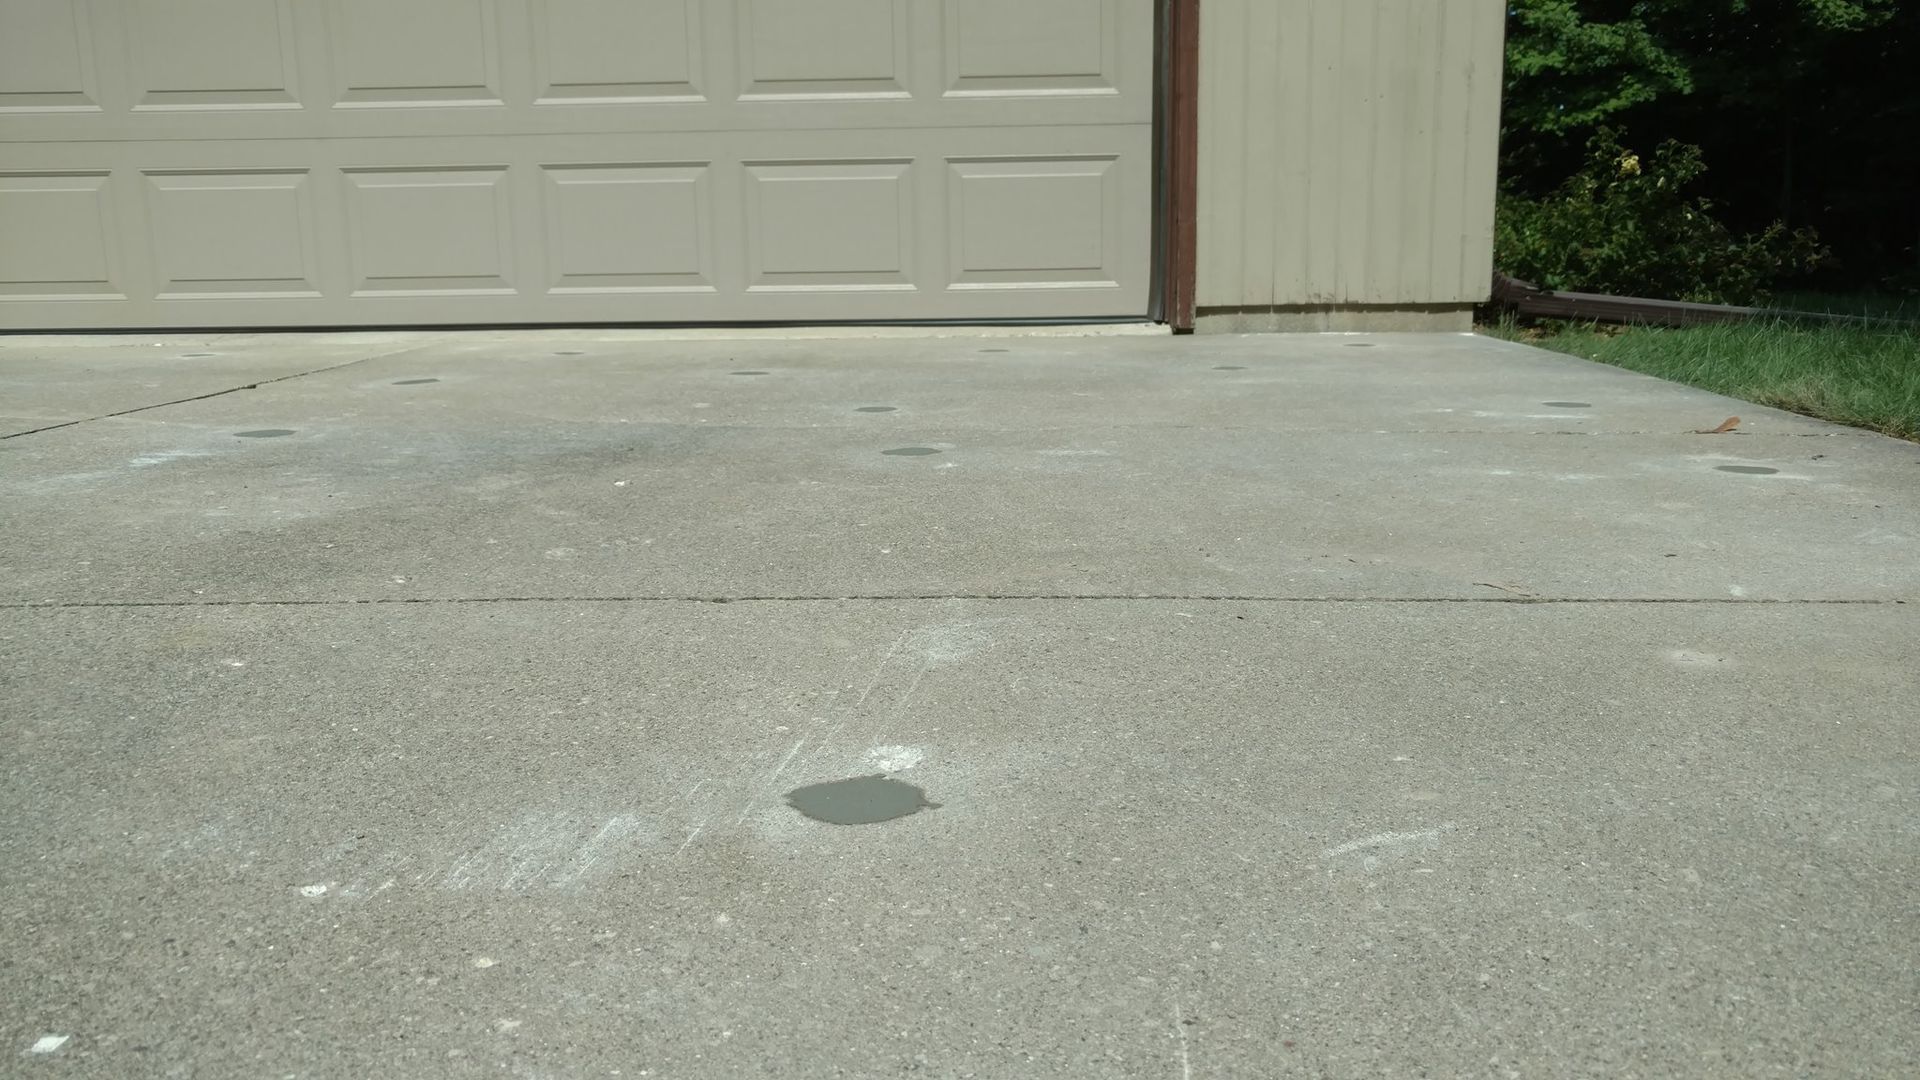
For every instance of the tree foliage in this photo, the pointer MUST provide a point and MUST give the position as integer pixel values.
(1808, 110)
(1567, 72)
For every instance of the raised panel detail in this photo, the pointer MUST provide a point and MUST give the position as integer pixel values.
(1014, 47)
(829, 225)
(232, 234)
(46, 57)
(57, 238)
(396, 53)
(824, 48)
(1023, 222)
(602, 51)
(212, 54)
(629, 228)
(430, 231)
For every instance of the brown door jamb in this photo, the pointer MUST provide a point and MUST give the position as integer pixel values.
(1183, 173)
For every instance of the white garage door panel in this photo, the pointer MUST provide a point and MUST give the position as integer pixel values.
(317, 162)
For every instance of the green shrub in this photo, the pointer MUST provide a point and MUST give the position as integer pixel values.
(1626, 225)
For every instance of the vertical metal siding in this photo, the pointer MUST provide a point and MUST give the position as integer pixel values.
(1347, 151)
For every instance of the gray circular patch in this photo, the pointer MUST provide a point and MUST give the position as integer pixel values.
(910, 451)
(876, 408)
(1747, 470)
(263, 433)
(862, 800)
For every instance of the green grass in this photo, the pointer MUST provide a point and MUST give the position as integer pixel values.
(1865, 376)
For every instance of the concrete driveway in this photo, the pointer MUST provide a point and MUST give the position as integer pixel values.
(1293, 706)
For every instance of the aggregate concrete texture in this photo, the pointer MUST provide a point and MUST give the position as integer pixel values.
(1318, 706)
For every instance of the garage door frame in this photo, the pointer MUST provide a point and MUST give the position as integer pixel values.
(171, 170)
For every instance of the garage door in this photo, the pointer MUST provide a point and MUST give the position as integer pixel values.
(372, 162)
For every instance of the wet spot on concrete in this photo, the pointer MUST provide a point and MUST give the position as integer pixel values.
(875, 408)
(1228, 367)
(1359, 344)
(910, 451)
(1747, 470)
(413, 382)
(195, 355)
(748, 373)
(1567, 404)
(992, 350)
(862, 800)
(264, 433)
(571, 352)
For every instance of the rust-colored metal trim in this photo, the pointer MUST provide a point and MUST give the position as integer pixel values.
(1530, 299)
(1527, 298)
(1183, 173)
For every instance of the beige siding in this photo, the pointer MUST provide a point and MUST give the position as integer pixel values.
(1347, 151)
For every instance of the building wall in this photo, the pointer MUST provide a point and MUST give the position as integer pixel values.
(1347, 162)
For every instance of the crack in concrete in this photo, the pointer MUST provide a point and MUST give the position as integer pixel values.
(214, 394)
(1730, 601)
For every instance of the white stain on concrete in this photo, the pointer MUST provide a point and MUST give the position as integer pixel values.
(162, 457)
(313, 890)
(546, 851)
(947, 643)
(898, 675)
(1389, 841)
(768, 785)
(893, 759)
(604, 839)
(48, 1044)
(1688, 658)
(1180, 1032)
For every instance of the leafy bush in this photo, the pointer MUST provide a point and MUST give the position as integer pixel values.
(1627, 225)
(1903, 283)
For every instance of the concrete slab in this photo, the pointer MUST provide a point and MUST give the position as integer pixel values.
(385, 491)
(1445, 382)
(1320, 382)
(1174, 838)
(1519, 739)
